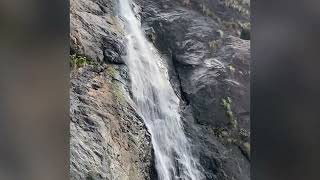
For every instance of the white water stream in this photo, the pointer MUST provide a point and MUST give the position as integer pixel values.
(157, 103)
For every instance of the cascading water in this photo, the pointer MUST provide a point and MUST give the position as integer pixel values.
(157, 103)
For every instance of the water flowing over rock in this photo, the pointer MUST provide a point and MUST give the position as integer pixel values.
(157, 103)
(108, 139)
(165, 93)
(209, 68)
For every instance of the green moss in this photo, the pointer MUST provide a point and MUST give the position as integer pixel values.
(226, 103)
(226, 135)
(77, 61)
(118, 93)
(112, 71)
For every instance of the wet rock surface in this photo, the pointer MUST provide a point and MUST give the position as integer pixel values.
(208, 52)
(209, 65)
(95, 31)
(108, 140)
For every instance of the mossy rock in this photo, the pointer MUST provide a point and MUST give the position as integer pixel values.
(226, 104)
(78, 61)
(111, 71)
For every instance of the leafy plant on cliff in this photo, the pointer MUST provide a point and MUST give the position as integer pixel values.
(226, 103)
(77, 61)
(238, 5)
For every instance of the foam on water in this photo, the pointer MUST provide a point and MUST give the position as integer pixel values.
(157, 103)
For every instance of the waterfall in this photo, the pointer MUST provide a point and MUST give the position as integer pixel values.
(157, 103)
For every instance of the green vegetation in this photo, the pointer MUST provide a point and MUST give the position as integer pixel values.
(117, 89)
(77, 61)
(112, 72)
(238, 5)
(231, 68)
(227, 136)
(226, 103)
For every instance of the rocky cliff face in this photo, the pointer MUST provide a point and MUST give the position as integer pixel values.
(208, 49)
(207, 42)
(108, 139)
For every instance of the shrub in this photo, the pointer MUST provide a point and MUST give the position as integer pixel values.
(226, 103)
(77, 61)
